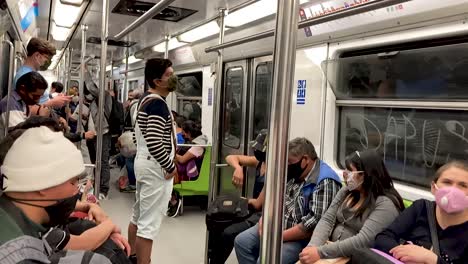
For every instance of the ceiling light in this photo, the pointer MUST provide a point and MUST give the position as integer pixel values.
(65, 15)
(251, 13)
(131, 60)
(200, 32)
(60, 33)
(72, 2)
(173, 44)
(108, 67)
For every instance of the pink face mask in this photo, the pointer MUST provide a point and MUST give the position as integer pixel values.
(451, 199)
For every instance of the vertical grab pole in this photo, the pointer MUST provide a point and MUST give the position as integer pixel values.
(111, 76)
(126, 73)
(68, 70)
(284, 59)
(166, 46)
(216, 119)
(82, 74)
(11, 72)
(102, 88)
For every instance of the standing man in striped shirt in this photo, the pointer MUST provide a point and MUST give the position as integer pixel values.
(154, 162)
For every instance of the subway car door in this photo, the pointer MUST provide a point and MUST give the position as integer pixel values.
(259, 108)
(233, 137)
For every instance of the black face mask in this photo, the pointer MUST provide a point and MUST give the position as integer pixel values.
(61, 211)
(260, 156)
(295, 171)
(58, 212)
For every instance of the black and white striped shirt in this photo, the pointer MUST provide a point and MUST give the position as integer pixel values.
(155, 123)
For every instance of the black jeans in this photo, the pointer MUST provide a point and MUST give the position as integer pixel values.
(224, 248)
(105, 168)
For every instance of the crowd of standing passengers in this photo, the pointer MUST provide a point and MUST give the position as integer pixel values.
(46, 218)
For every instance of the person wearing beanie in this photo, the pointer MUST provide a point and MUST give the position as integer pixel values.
(41, 171)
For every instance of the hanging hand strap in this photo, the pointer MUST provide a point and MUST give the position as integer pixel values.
(430, 208)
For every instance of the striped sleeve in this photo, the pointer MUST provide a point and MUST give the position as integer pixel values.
(153, 124)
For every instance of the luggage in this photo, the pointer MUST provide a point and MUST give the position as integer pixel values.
(224, 211)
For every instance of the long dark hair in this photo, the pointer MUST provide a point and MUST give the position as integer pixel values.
(377, 180)
(192, 127)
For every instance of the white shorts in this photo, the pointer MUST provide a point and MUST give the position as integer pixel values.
(153, 194)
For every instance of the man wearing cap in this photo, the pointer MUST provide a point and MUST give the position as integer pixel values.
(310, 188)
(238, 162)
(40, 190)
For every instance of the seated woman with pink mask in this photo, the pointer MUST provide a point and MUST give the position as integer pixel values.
(409, 238)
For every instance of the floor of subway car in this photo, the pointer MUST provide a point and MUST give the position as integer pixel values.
(180, 240)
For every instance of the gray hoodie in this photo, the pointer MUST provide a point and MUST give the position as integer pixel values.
(94, 93)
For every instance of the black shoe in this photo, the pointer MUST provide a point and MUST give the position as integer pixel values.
(133, 259)
(173, 210)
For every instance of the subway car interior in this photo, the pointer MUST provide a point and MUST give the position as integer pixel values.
(347, 77)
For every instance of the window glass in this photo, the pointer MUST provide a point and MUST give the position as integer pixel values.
(422, 73)
(190, 108)
(413, 142)
(263, 75)
(233, 106)
(190, 84)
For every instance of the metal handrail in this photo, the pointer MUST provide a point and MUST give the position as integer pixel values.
(156, 9)
(369, 6)
(10, 83)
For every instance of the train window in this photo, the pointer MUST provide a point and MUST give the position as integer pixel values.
(428, 73)
(233, 108)
(262, 99)
(190, 84)
(413, 142)
(189, 95)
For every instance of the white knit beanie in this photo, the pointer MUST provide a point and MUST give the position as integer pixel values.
(40, 159)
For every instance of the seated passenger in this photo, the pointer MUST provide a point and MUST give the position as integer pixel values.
(362, 209)
(28, 205)
(29, 89)
(310, 189)
(189, 161)
(224, 245)
(408, 238)
(179, 120)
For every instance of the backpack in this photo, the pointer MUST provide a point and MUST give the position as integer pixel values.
(108, 249)
(226, 210)
(116, 118)
(129, 116)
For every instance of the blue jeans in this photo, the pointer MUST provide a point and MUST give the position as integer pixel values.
(130, 164)
(247, 246)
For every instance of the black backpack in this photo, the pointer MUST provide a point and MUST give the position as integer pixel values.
(116, 118)
(226, 210)
(128, 125)
(108, 249)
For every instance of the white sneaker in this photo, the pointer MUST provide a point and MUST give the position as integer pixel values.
(103, 196)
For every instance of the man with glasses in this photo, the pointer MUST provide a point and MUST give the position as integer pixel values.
(39, 58)
(36, 196)
(29, 89)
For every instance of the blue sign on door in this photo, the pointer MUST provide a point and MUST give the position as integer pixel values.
(301, 91)
(210, 96)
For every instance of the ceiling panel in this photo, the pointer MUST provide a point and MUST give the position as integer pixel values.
(150, 33)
